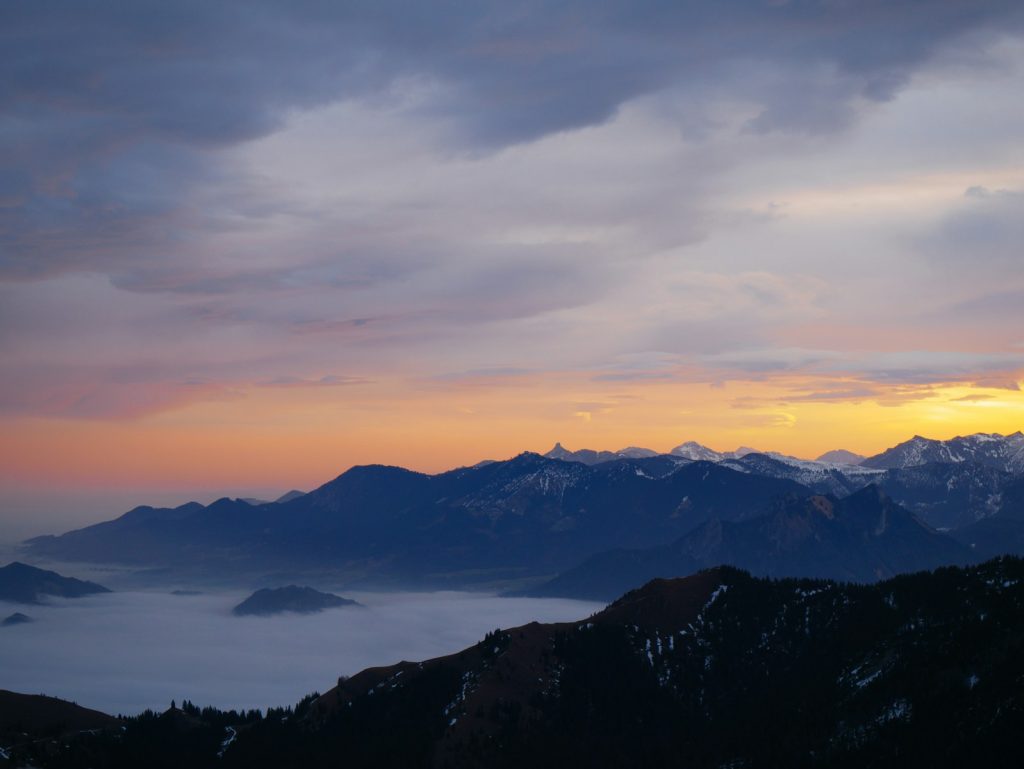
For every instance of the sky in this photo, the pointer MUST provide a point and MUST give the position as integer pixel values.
(244, 246)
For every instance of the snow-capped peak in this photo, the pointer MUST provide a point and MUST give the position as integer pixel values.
(1005, 452)
(697, 452)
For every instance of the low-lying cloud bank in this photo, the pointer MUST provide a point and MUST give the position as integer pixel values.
(124, 652)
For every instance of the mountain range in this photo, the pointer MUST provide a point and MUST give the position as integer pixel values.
(720, 669)
(861, 538)
(1005, 452)
(525, 516)
(518, 522)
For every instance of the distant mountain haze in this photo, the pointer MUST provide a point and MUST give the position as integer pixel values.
(21, 583)
(522, 516)
(841, 457)
(530, 516)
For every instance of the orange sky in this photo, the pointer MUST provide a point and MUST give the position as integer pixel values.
(465, 241)
(301, 437)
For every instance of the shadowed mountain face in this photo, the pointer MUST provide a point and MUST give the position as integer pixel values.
(1002, 532)
(822, 477)
(41, 717)
(689, 667)
(525, 515)
(1003, 452)
(862, 538)
(22, 583)
(532, 516)
(944, 494)
(949, 484)
(948, 495)
(720, 668)
(295, 599)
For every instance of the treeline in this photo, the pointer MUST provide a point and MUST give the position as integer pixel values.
(925, 670)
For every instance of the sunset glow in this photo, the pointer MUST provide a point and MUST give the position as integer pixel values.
(432, 254)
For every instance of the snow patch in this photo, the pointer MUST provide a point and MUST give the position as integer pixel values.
(898, 710)
(468, 680)
(231, 734)
(720, 590)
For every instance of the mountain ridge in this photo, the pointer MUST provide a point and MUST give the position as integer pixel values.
(21, 583)
(920, 669)
(861, 538)
(529, 514)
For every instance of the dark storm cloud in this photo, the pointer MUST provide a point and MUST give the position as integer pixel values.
(108, 111)
(209, 73)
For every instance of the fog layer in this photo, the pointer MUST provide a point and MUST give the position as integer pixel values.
(124, 652)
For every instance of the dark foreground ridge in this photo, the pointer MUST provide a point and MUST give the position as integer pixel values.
(295, 599)
(717, 669)
(29, 722)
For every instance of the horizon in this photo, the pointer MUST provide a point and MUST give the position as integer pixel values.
(538, 307)
(69, 512)
(241, 251)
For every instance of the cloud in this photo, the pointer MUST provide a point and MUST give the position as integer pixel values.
(482, 377)
(928, 367)
(851, 394)
(754, 361)
(327, 380)
(136, 650)
(114, 115)
(982, 233)
(868, 369)
(124, 392)
(199, 199)
(983, 309)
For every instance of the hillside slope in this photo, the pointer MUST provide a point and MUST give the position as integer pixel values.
(717, 669)
(21, 583)
(863, 538)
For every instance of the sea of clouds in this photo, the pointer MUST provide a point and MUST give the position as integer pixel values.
(124, 652)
